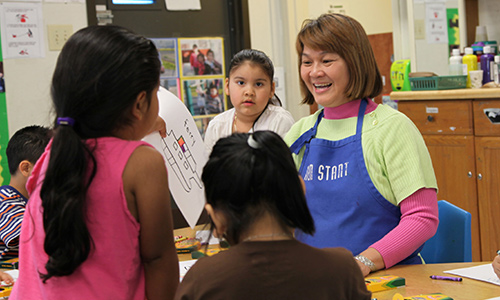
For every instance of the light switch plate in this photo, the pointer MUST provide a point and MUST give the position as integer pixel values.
(58, 35)
(419, 29)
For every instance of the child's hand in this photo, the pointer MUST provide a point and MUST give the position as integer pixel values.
(496, 265)
(6, 278)
(160, 126)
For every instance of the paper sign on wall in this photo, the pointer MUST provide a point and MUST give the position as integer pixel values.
(22, 30)
(184, 153)
(436, 23)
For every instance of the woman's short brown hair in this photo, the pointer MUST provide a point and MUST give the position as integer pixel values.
(344, 36)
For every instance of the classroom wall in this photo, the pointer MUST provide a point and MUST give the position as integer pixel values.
(489, 15)
(273, 28)
(274, 25)
(27, 80)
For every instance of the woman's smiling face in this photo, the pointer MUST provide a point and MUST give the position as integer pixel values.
(326, 76)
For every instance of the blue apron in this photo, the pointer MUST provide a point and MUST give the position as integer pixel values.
(347, 209)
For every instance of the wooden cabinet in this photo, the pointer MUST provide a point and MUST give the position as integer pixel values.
(453, 161)
(463, 138)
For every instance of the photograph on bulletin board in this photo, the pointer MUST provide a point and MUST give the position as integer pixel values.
(167, 52)
(204, 97)
(201, 56)
(172, 85)
(202, 124)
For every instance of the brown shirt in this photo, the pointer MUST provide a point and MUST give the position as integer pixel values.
(275, 270)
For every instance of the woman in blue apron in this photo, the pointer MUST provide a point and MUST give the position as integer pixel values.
(369, 179)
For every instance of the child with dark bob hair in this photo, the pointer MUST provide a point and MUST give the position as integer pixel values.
(255, 199)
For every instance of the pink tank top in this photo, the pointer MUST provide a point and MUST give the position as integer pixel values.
(113, 269)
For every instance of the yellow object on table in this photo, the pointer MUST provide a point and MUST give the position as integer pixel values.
(436, 296)
(187, 245)
(382, 283)
(5, 291)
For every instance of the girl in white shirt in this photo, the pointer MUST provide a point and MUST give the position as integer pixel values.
(250, 87)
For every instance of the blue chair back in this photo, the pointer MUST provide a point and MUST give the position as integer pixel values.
(452, 241)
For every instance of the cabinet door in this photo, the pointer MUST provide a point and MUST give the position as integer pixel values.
(453, 161)
(488, 183)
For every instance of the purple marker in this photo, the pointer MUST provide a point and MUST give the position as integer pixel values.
(446, 278)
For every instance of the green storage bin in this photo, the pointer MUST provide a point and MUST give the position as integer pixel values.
(438, 82)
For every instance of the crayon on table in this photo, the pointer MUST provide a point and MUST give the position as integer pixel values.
(445, 278)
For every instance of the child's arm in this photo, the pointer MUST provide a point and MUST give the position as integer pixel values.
(150, 189)
(6, 278)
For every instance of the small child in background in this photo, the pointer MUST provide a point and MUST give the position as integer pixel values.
(215, 66)
(250, 87)
(255, 199)
(98, 224)
(214, 101)
(23, 150)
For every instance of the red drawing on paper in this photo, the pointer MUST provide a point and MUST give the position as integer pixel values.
(22, 18)
(29, 33)
(24, 52)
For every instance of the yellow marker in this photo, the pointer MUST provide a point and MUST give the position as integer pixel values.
(437, 296)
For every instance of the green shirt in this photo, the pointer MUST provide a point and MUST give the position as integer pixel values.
(395, 154)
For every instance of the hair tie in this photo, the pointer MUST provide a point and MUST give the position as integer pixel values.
(66, 121)
(252, 142)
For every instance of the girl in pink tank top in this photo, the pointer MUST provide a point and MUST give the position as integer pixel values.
(98, 224)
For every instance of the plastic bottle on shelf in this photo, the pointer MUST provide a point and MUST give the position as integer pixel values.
(487, 61)
(496, 69)
(470, 63)
(455, 66)
(478, 51)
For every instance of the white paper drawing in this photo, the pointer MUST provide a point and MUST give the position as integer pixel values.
(184, 153)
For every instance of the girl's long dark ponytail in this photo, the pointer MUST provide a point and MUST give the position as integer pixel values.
(99, 74)
(63, 193)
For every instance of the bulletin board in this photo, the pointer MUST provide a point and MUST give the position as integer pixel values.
(193, 69)
(4, 128)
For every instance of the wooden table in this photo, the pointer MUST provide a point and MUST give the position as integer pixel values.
(189, 232)
(418, 282)
(417, 278)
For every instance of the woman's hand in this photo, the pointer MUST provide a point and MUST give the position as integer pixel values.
(375, 257)
(364, 269)
(496, 265)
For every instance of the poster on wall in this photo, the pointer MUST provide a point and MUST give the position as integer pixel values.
(193, 70)
(204, 97)
(202, 74)
(436, 26)
(201, 56)
(453, 30)
(185, 155)
(22, 30)
(169, 74)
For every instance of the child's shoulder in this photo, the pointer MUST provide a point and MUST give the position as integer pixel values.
(278, 111)
(7, 192)
(224, 116)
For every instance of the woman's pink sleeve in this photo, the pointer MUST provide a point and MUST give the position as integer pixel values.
(419, 222)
